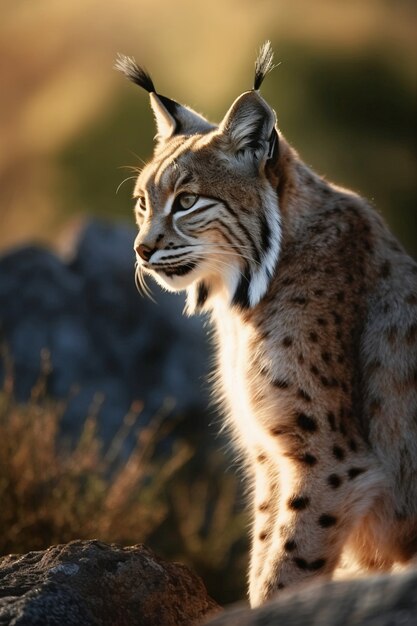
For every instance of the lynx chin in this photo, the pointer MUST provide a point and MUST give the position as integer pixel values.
(314, 306)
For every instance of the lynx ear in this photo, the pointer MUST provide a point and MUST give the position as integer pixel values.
(176, 119)
(248, 129)
(171, 118)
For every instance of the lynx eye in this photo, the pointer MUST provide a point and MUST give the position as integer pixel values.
(141, 204)
(184, 201)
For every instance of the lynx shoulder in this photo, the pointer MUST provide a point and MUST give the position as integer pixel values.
(314, 305)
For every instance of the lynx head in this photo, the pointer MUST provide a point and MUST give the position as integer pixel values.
(207, 206)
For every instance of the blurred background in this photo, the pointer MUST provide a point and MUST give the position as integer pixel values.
(105, 429)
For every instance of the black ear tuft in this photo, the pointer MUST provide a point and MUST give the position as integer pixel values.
(263, 64)
(139, 76)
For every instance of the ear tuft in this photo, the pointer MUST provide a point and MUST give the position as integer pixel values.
(263, 64)
(139, 76)
(171, 118)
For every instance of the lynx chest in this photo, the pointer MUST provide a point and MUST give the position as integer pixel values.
(239, 381)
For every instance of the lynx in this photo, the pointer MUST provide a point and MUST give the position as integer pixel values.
(314, 306)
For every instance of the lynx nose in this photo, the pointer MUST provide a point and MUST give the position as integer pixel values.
(145, 252)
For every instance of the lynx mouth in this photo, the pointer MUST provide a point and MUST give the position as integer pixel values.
(181, 269)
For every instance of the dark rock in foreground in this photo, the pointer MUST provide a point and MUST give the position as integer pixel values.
(389, 600)
(89, 583)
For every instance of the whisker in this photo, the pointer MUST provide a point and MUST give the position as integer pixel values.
(141, 284)
(124, 181)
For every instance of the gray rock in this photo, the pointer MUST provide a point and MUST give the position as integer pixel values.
(89, 583)
(389, 600)
(102, 335)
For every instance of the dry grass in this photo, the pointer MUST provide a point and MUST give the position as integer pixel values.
(52, 492)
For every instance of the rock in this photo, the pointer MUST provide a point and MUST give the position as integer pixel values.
(102, 335)
(89, 583)
(388, 600)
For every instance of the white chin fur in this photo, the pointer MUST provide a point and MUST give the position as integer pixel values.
(174, 283)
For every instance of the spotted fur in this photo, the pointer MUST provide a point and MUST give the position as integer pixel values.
(314, 305)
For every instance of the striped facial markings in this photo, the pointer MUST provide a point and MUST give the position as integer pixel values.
(256, 252)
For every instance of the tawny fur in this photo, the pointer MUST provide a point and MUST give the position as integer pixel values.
(316, 344)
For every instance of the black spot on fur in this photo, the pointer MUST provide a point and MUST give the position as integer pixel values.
(331, 418)
(314, 370)
(326, 520)
(338, 453)
(326, 356)
(334, 481)
(287, 341)
(290, 545)
(312, 566)
(298, 503)
(303, 395)
(324, 381)
(263, 535)
(353, 445)
(355, 471)
(313, 337)
(307, 423)
(411, 299)
(308, 459)
(321, 321)
(281, 586)
(202, 294)
(299, 300)
(340, 296)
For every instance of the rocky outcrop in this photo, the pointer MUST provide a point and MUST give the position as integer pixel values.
(89, 583)
(101, 334)
(389, 600)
